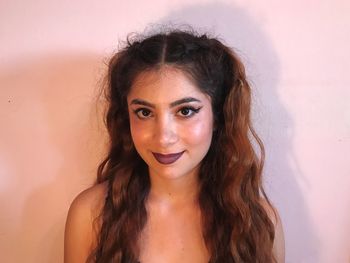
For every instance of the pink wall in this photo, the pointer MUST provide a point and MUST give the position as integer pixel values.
(52, 138)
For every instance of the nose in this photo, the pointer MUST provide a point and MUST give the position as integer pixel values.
(166, 131)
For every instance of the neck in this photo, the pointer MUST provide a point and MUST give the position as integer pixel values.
(174, 190)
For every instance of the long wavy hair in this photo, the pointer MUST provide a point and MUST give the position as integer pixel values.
(235, 225)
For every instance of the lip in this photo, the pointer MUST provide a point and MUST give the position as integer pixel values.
(167, 158)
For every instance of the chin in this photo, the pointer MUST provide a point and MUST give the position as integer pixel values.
(168, 173)
(172, 172)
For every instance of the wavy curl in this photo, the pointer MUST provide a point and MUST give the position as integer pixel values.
(235, 225)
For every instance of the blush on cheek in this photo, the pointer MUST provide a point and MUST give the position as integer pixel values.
(135, 129)
(200, 133)
(140, 131)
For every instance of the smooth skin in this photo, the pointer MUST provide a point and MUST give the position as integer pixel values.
(171, 122)
(168, 114)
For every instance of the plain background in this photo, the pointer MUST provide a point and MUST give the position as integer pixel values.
(52, 60)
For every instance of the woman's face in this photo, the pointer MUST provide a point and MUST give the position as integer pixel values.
(171, 122)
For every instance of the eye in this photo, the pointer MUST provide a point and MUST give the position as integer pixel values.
(188, 111)
(143, 113)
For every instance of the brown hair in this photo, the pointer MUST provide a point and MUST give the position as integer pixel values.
(236, 227)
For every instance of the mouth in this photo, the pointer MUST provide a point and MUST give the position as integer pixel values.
(167, 158)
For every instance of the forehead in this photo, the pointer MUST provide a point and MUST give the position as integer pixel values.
(164, 85)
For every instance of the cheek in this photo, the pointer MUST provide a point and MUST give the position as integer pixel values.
(200, 132)
(139, 133)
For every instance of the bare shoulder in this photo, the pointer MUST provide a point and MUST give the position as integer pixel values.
(279, 243)
(79, 232)
(91, 199)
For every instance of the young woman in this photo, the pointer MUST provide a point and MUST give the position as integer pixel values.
(181, 182)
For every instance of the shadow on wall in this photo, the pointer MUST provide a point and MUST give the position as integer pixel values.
(52, 141)
(239, 30)
(50, 148)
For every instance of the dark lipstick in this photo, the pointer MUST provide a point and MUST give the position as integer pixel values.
(167, 158)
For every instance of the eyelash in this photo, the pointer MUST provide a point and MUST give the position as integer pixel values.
(140, 110)
(191, 109)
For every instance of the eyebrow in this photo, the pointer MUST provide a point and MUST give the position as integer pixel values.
(173, 104)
